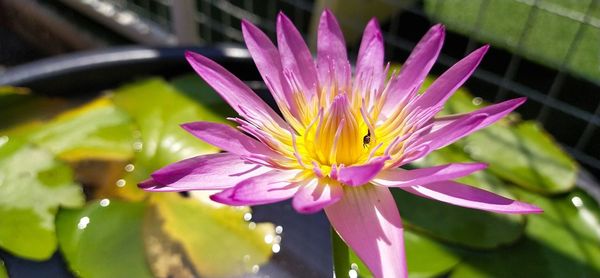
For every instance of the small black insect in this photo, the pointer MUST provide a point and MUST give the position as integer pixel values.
(367, 139)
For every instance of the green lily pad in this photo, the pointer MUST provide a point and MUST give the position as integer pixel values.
(3, 273)
(33, 184)
(466, 227)
(97, 130)
(104, 239)
(425, 257)
(519, 152)
(524, 154)
(196, 235)
(564, 241)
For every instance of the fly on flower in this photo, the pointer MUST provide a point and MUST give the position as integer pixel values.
(343, 137)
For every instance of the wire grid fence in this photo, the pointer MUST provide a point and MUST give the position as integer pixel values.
(573, 120)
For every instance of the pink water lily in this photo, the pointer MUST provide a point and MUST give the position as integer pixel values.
(342, 138)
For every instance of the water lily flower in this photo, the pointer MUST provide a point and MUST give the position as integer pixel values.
(341, 138)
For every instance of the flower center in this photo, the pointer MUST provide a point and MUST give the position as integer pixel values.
(339, 136)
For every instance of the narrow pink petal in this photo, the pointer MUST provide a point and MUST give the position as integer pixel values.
(445, 85)
(495, 112)
(415, 69)
(154, 186)
(471, 197)
(227, 138)
(447, 134)
(398, 177)
(233, 90)
(295, 55)
(316, 194)
(267, 60)
(368, 221)
(213, 171)
(331, 49)
(360, 174)
(269, 187)
(369, 62)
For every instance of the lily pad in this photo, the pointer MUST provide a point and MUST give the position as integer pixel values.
(216, 240)
(33, 184)
(158, 109)
(104, 239)
(425, 257)
(524, 154)
(519, 152)
(466, 227)
(3, 273)
(14, 101)
(97, 130)
(564, 241)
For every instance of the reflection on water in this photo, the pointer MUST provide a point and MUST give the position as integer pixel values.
(121, 183)
(83, 222)
(104, 202)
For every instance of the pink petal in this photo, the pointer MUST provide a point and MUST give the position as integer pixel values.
(495, 112)
(369, 62)
(234, 91)
(445, 85)
(269, 187)
(314, 195)
(446, 135)
(267, 60)
(332, 59)
(471, 197)
(360, 174)
(368, 221)
(402, 178)
(295, 55)
(213, 171)
(416, 67)
(227, 138)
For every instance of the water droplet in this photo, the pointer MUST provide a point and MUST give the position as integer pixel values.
(104, 202)
(83, 222)
(276, 248)
(121, 183)
(137, 146)
(278, 229)
(247, 216)
(577, 201)
(252, 225)
(255, 268)
(352, 273)
(354, 266)
(246, 258)
(277, 239)
(3, 140)
(477, 101)
(129, 167)
(269, 239)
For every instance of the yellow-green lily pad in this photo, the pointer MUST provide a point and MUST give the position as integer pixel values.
(158, 108)
(33, 185)
(3, 273)
(97, 130)
(213, 240)
(104, 239)
(564, 241)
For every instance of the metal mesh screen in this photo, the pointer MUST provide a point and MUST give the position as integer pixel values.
(566, 102)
